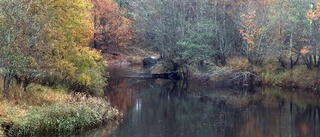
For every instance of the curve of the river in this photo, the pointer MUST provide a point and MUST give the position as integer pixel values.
(164, 108)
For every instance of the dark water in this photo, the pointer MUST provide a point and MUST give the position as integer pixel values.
(164, 108)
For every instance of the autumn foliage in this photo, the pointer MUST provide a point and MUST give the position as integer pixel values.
(47, 41)
(250, 31)
(111, 27)
(314, 15)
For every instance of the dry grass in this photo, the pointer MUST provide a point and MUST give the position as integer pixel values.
(238, 63)
(271, 73)
(36, 95)
(43, 109)
(304, 77)
(300, 77)
(2, 117)
(135, 60)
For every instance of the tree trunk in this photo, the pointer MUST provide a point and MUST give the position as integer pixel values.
(6, 84)
(223, 60)
(25, 84)
(290, 54)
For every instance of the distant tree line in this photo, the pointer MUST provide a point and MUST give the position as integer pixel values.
(187, 32)
(47, 41)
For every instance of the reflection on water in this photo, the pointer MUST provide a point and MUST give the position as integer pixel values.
(160, 108)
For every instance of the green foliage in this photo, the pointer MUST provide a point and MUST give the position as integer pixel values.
(181, 36)
(79, 65)
(58, 118)
(22, 40)
(47, 110)
(276, 78)
(92, 80)
(196, 45)
(49, 38)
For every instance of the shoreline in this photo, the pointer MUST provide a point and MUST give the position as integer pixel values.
(300, 78)
(47, 110)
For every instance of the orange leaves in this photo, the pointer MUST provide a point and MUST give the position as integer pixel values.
(250, 29)
(311, 15)
(304, 50)
(111, 27)
(314, 15)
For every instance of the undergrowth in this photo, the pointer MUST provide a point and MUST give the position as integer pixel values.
(270, 73)
(300, 77)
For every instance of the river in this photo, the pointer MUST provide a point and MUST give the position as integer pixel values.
(165, 108)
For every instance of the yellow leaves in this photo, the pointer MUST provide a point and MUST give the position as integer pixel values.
(95, 55)
(71, 32)
(72, 21)
(87, 57)
(66, 67)
(85, 79)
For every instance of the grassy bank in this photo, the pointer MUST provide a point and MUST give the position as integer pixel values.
(41, 110)
(299, 77)
(272, 74)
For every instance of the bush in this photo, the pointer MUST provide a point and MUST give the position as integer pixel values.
(92, 80)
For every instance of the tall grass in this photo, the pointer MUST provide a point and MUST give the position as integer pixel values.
(238, 63)
(300, 77)
(271, 73)
(276, 78)
(44, 110)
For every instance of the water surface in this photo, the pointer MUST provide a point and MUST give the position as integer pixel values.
(164, 108)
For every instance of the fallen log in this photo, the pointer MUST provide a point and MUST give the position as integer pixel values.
(168, 75)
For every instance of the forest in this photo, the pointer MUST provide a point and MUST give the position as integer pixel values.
(275, 40)
(64, 46)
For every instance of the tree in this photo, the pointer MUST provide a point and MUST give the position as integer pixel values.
(71, 31)
(227, 37)
(181, 31)
(49, 38)
(111, 27)
(255, 30)
(22, 40)
(290, 31)
(313, 15)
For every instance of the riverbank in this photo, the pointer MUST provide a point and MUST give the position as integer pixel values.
(144, 102)
(269, 73)
(45, 110)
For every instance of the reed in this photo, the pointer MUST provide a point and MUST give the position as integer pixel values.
(46, 110)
